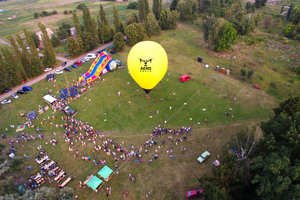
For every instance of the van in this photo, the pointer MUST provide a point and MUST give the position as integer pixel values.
(90, 56)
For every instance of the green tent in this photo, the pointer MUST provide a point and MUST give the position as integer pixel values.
(94, 182)
(105, 172)
(21, 189)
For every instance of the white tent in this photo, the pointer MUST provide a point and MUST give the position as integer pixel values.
(49, 99)
(12, 155)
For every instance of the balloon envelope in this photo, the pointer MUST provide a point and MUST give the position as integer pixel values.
(147, 64)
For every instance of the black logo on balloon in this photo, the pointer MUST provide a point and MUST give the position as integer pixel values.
(145, 65)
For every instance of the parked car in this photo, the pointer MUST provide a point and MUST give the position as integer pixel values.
(64, 64)
(184, 78)
(101, 51)
(27, 47)
(27, 88)
(6, 101)
(67, 69)
(67, 55)
(6, 90)
(74, 66)
(78, 63)
(50, 77)
(41, 57)
(47, 69)
(118, 62)
(21, 92)
(57, 71)
(23, 81)
(90, 56)
(86, 59)
(203, 156)
(194, 193)
(113, 52)
(83, 61)
(14, 96)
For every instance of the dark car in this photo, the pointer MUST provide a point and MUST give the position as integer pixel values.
(21, 92)
(64, 64)
(101, 51)
(74, 66)
(67, 55)
(194, 193)
(113, 52)
(67, 69)
(41, 57)
(6, 90)
(50, 77)
(27, 88)
(78, 63)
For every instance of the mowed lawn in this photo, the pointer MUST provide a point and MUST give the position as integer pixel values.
(130, 124)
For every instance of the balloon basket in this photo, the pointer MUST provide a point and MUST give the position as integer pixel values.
(147, 96)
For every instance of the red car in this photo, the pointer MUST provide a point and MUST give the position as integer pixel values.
(194, 193)
(23, 81)
(184, 78)
(78, 63)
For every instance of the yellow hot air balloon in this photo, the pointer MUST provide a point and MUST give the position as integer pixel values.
(147, 64)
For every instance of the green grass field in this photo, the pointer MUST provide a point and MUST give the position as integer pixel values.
(131, 124)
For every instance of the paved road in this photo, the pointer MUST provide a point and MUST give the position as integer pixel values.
(43, 76)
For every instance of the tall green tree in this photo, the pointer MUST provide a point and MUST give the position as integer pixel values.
(227, 38)
(187, 10)
(135, 33)
(122, 28)
(133, 18)
(143, 10)
(116, 18)
(38, 68)
(103, 16)
(11, 68)
(151, 25)
(174, 5)
(77, 25)
(17, 54)
(216, 31)
(168, 19)
(36, 39)
(119, 42)
(89, 24)
(207, 25)
(107, 34)
(100, 29)
(49, 58)
(73, 47)
(95, 30)
(157, 8)
(26, 59)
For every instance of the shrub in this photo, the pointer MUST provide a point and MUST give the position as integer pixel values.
(250, 73)
(133, 5)
(80, 6)
(16, 164)
(243, 71)
(66, 12)
(70, 11)
(36, 15)
(54, 12)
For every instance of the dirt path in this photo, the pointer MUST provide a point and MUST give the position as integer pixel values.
(43, 76)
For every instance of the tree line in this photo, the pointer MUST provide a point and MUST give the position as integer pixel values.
(24, 63)
(260, 162)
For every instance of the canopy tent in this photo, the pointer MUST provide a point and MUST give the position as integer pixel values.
(31, 115)
(105, 172)
(21, 189)
(64, 90)
(49, 99)
(63, 95)
(12, 155)
(95, 182)
(73, 93)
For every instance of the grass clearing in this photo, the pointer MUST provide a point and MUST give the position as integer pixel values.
(166, 178)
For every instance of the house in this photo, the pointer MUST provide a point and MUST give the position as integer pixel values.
(40, 34)
(73, 31)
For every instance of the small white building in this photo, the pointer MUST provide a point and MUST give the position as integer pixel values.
(73, 31)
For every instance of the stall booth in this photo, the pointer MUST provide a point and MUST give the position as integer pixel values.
(49, 99)
(95, 183)
(105, 173)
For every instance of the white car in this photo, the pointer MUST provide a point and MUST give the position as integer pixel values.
(47, 69)
(57, 71)
(83, 61)
(86, 59)
(14, 96)
(6, 101)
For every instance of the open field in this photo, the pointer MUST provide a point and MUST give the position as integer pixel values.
(24, 12)
(166, 178)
